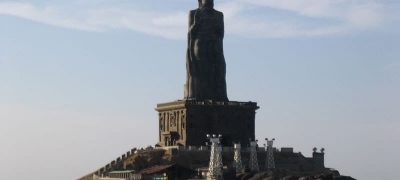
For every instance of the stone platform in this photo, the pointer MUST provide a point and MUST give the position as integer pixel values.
(187, 122)
(137, 162)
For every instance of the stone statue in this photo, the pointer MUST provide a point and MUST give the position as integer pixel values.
(205, 62)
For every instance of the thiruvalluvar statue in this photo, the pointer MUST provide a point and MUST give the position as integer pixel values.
(205, 62)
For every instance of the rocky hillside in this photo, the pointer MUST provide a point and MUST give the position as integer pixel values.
(285, 175)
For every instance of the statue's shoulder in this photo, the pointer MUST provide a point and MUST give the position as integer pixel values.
(219, 13)
(192, 11)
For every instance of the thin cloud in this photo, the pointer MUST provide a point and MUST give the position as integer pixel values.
(367, 12)
(260, 29)
(45, 15)
(346, 16)
(98, 20)
(341, 16)
(167, 25)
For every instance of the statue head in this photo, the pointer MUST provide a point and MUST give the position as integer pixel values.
(206, 3)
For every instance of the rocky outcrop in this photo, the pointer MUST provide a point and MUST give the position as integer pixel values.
(329, 174)
(289, 165)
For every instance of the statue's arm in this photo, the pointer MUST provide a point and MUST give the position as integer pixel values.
(221, 28)
(189, 38)
(189, 28)
(190, 62)
(192, 22)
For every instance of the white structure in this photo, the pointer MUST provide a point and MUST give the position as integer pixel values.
(253, 162)
(237, 158)
(270, 162)
(119, 175)
(215, 168)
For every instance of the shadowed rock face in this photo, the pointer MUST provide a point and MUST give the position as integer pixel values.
(195, 159)
(205, 64)
(287, 175)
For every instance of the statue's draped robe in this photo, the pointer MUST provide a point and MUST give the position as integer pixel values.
(206, 68)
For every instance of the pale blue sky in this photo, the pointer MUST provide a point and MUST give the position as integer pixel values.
(79, 80)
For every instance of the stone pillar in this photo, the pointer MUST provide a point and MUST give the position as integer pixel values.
(319, 158)
(270, 162)
(253, 162)
(237, 158)
(215, 171)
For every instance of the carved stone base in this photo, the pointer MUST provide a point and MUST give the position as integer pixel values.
(187, 122)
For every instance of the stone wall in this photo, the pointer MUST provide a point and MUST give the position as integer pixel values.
(194, 157)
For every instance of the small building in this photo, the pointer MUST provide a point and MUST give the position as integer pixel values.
(167, 172)
(287, 150)
(119, 175)
(127, 174)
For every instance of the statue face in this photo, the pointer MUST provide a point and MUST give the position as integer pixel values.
(207, 3)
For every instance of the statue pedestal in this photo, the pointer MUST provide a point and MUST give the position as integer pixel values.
(187, 122)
